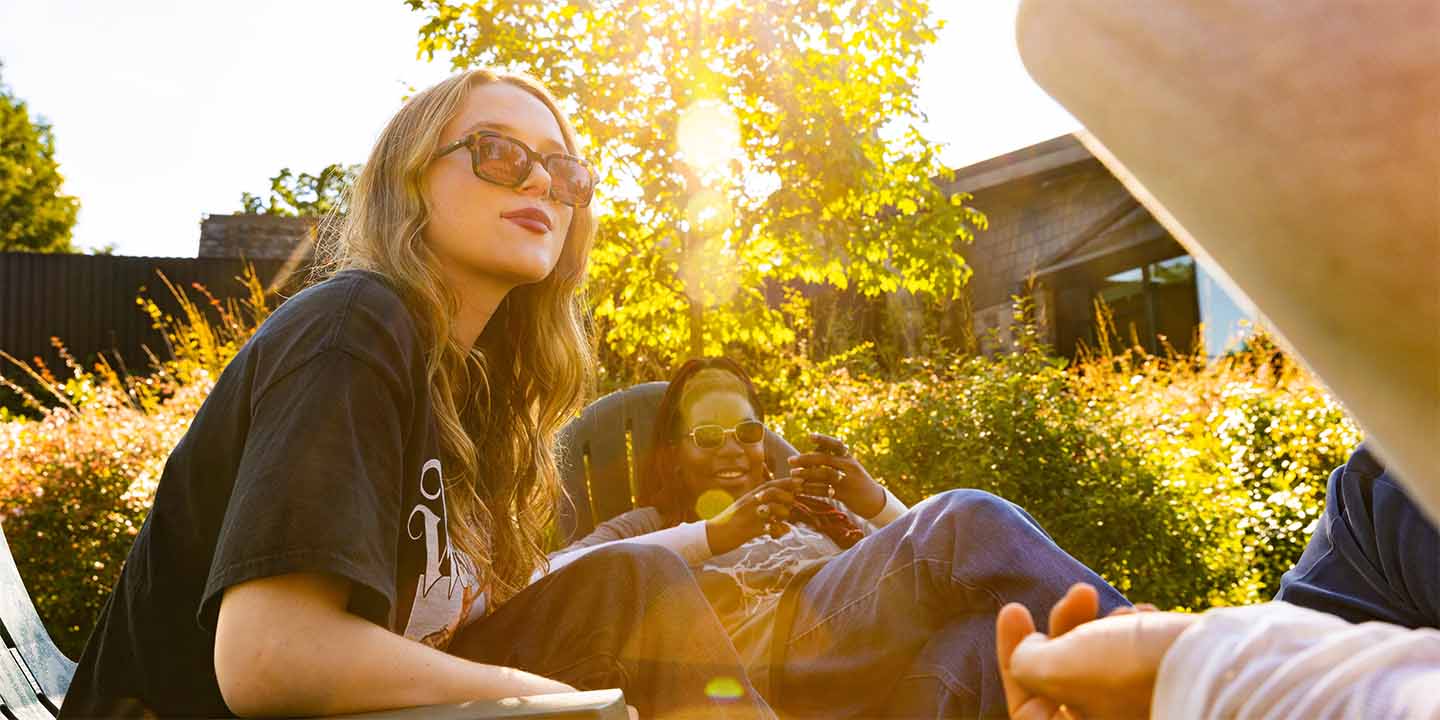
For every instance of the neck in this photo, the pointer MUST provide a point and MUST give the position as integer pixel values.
(479, 297)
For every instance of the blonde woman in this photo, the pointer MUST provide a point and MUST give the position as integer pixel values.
(373, 473)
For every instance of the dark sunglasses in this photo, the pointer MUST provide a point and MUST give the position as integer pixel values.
(506, 162)
(710, 437)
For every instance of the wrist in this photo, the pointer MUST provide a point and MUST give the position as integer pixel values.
(867, 500)
(717, 535)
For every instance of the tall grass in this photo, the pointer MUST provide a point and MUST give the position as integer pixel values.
(77, 480)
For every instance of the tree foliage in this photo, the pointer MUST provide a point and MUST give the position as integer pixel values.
(828, 182)
(303, 195)
(34, 215)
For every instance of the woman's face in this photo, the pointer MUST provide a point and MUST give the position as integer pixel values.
(734, 467)
(478, 229)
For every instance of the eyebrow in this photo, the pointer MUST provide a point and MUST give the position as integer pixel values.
(546, 146)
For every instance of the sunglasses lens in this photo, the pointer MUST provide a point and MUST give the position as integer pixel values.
(709, 437)
(501, 160)
(570, 181)
(750, 431)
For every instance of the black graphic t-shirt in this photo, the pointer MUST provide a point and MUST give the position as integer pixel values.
(316, 452)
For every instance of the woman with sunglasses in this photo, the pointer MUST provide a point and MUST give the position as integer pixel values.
(840, 600)
(369, 483)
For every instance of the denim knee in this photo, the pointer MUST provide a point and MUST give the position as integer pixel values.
(978, 512)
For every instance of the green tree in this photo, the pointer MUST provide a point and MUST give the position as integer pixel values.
(303, 195)
(742, 146)
(34, 215)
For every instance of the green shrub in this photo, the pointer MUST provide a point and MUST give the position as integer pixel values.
(1182, 482)
(77, 483)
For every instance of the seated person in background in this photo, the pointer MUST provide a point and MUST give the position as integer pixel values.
(1294, 147)
(840, 600)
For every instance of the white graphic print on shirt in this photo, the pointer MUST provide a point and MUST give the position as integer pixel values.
(443, 603)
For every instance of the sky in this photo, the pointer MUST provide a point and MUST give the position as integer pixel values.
(167, 110)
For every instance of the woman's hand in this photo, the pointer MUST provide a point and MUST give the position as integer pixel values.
(1060, 676)
(761, 511)
(832, 466)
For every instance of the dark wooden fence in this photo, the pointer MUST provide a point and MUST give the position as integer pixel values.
(89, 302)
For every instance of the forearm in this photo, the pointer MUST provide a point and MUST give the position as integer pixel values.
(306, 660)
(1278, 660)
(688, 540)
(891, 508)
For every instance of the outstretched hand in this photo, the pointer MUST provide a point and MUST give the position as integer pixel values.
(1055, 677)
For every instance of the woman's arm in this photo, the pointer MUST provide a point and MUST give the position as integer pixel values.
(697, 541)
(285, 646)
(688, 540)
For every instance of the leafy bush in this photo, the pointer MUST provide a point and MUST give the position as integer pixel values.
(76, 484)
(1182, 482)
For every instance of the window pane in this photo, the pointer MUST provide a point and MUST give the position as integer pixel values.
(1172, 284)
(1227, 322)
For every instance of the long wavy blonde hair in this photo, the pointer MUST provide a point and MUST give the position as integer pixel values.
(500, 402)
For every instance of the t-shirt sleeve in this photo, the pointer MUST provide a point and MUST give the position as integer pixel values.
(319, 484)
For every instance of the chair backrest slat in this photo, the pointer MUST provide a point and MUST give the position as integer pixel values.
(600, 451)
(34, 674)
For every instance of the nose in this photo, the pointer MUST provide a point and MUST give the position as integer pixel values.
(537, 183)
(732, 446)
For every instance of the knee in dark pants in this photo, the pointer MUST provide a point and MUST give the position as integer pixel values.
(640, 567)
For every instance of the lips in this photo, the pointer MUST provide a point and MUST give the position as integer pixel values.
(732, 476)
(532, 219)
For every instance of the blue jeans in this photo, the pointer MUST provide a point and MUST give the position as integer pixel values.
(903, 623)
(1373, 555)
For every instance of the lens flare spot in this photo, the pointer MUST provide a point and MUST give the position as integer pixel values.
(708, 135)
(724, 688)
(709, 213)
(712, 503)
(710, 268)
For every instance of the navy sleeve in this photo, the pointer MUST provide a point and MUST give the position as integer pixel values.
(319, 484)
(1373, 556)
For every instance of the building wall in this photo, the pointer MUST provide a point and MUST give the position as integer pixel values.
(1032, 220)
(256, 237)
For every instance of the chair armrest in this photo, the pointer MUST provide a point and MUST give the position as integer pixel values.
(590, 705)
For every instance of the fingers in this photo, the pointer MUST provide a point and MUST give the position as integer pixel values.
(818, 489)
(829, 444)
(1104, 667)
(1013, 625)
(789, 483)
(1081, 604)
(820, 473)
(775, 495)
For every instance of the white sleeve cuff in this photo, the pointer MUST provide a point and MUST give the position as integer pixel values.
(893, 509)
(688, 540)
